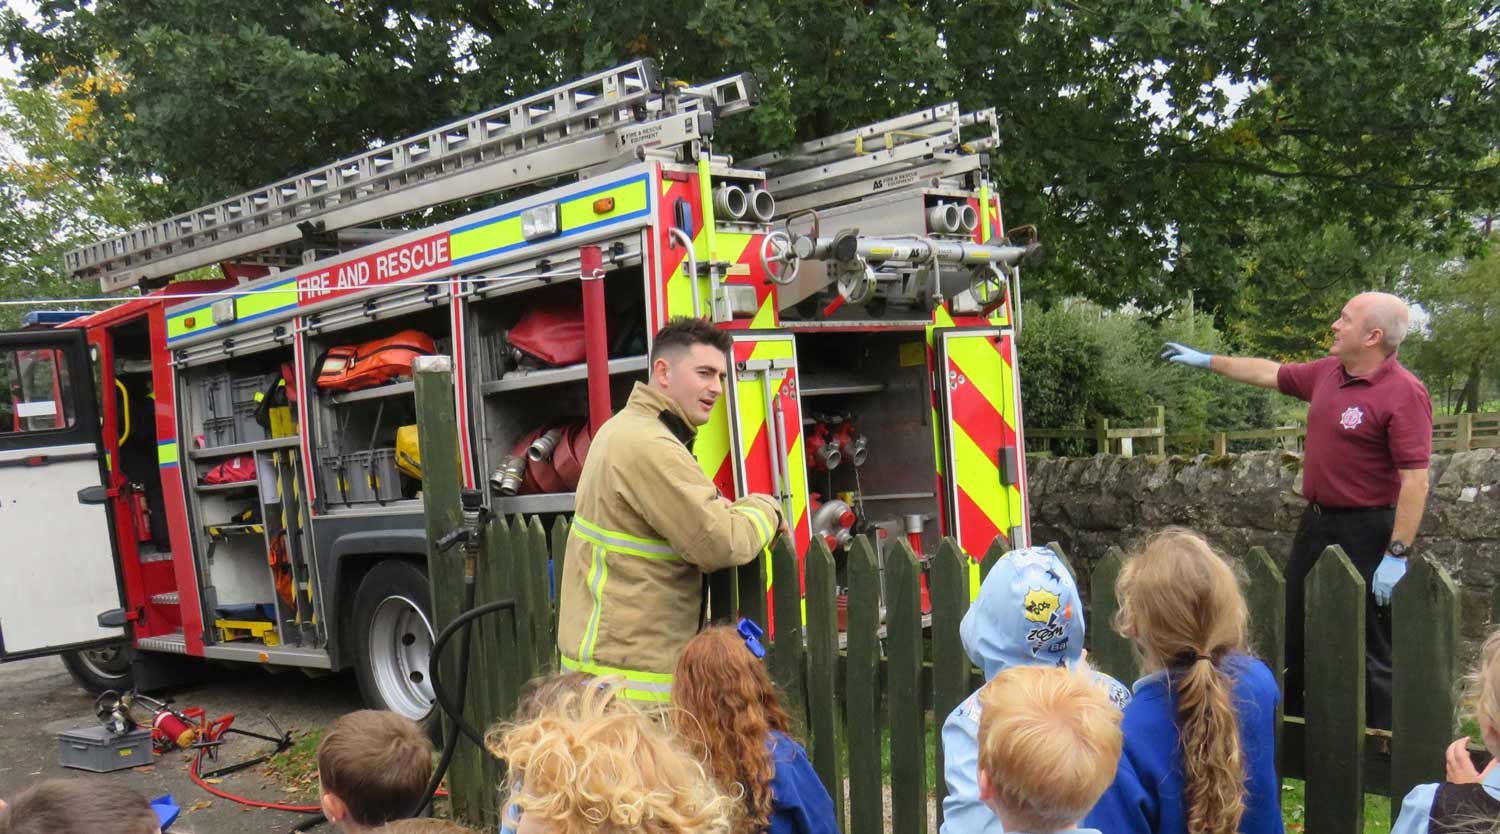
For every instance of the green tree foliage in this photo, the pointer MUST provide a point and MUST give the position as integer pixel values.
(1458, 355)
(1079, 362)
(1159, 145)
(52, 195)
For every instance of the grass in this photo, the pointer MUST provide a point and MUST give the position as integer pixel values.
(295, 769)
(1293, 801)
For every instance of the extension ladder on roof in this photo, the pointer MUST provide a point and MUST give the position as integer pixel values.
(889, 154)
(585, 123)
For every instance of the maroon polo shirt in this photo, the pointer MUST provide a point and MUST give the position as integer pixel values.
(1360, 430)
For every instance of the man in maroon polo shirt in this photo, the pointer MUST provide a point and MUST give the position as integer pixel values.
(1369, 440)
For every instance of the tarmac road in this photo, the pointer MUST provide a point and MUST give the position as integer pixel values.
(38, 699)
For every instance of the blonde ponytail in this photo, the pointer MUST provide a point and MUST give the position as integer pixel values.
(1180, 603)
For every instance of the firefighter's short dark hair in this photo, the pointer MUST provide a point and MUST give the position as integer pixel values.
(377, 763)
(682, 332)
(79, 805)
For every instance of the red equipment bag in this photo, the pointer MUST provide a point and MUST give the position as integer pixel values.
(551, 331)
(233, 471)
(353, 367)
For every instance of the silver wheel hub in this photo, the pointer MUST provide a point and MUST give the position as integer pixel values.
(105, 662)
(400, 643)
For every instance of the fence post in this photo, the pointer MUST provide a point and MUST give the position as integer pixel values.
(903, 589)
(862, 690)
(559, 544)
(787, 658)
(1463, 434)
(544, 638)
(1335, 740)
(1160, 422)
(494, 640)
(1425, 652)
(1266, 597)
(1110, 653)
(823, 721)
(522, 586)
(997, 550)
(750, 580)
(949, 582)
(1221, 443)
(1101, 435)
(437, 438)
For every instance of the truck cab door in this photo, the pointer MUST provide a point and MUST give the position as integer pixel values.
(984, 465)
(59, 571)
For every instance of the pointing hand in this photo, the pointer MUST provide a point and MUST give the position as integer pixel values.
(1184, 355)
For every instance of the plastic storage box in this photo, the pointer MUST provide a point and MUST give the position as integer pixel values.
(98, 750)
(247, 388)
(372, 477)
(331, 476)
(245, 427)
(216, 397)
(220, 431)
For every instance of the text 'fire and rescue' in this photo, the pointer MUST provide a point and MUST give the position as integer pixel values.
(395, 264)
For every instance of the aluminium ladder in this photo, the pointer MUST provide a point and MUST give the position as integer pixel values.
(884, 156)
(590, 122)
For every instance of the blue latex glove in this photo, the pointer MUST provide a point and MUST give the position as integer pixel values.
(1386, 576)
(1184, 355)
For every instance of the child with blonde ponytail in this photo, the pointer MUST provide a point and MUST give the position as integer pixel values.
(1199, 754)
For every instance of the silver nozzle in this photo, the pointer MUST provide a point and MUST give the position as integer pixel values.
(830, 455)
(541, 449)
(730, 201)
(859, 450)
(943, 218)
(968, 218)
(507, 479)
(762, 205)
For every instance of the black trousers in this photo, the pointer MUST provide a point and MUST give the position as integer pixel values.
(1363, 534)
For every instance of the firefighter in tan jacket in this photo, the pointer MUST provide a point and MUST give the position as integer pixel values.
(649, 524)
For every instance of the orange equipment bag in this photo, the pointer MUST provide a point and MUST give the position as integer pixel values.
(353, 367)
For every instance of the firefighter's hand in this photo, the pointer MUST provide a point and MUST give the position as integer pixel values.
(1184, 355)
(1391, 569)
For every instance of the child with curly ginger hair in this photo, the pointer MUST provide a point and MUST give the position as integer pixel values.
(590, 762)
(726, 707)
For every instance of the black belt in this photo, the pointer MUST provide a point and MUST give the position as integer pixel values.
(1319, 509)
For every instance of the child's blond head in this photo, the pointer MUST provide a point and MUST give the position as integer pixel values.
(1484, 689)
(1049, 742)
(590, 761)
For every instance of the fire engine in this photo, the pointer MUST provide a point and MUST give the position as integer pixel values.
(225, 467)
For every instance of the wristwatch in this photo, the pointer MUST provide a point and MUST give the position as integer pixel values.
(1398, 549)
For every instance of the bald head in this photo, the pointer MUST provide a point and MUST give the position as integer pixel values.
(1386, 313)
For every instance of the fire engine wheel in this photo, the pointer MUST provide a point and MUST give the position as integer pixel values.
(393, 632)
(99, 669)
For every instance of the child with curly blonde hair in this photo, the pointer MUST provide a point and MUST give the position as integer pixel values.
(728, 711)
(590, 762)
(1469, 801)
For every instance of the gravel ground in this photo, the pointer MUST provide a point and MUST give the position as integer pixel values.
(38, 699)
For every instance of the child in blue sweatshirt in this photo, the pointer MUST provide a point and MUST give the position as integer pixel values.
(1469, 801)
(727, 711)
(1027, 614)
(1049, 738)
(1180, 603)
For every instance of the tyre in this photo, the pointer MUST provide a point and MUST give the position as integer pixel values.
(391, 631)
(104, 668)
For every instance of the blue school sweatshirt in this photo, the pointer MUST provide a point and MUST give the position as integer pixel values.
(1146, 796)
(799, 802)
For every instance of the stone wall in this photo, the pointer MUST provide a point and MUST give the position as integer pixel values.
(1238, 501)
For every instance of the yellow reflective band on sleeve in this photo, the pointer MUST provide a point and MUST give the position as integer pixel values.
(618, 542)
(762, 523)
(598, 574)
(655, 687)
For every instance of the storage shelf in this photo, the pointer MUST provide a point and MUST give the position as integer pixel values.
(547, 502)
(516, 380)
(376, 393)
(242, 448)
(827, 385)
(237, 485)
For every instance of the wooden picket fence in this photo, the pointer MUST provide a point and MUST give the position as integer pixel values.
(892, 681)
